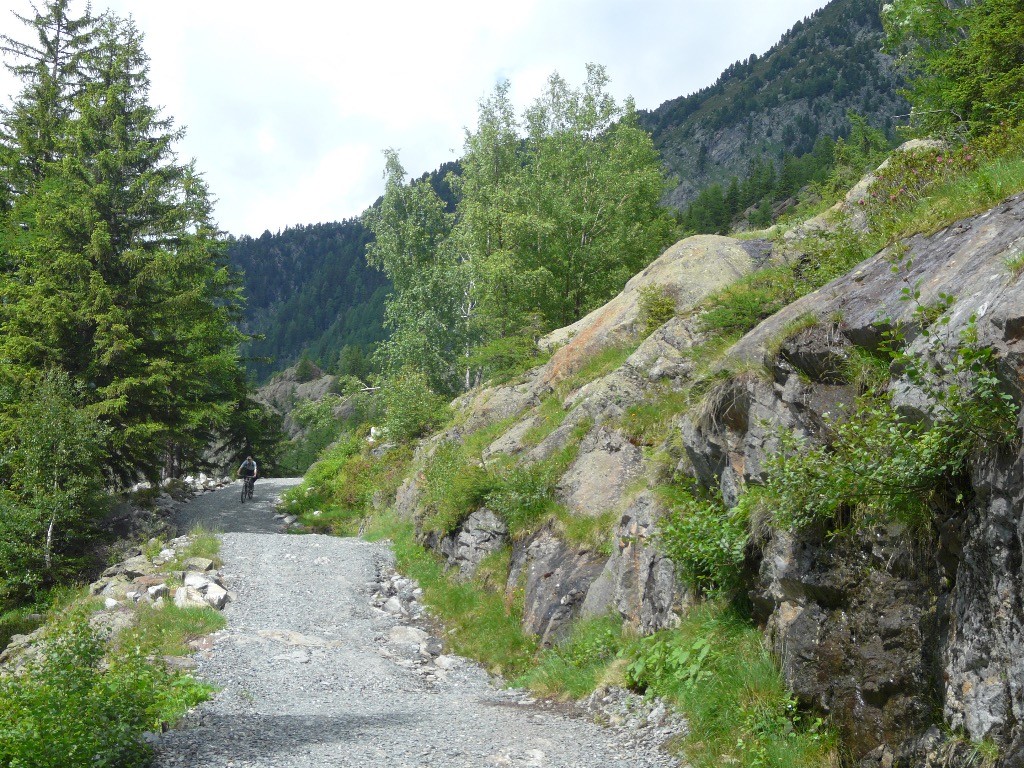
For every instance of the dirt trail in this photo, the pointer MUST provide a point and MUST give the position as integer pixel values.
(311, 674)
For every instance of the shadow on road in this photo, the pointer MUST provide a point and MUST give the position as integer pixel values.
(255, 737)
(224, 512)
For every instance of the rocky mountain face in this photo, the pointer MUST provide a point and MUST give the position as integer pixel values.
(902, 638)
(783, 101)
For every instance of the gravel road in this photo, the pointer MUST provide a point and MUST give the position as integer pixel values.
(312, 674)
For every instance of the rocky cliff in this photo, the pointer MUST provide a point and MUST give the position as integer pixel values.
(911, 640)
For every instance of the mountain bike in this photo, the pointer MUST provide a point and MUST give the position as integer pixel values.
(248, 483)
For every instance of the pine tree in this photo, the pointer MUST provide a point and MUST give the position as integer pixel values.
(116, 275)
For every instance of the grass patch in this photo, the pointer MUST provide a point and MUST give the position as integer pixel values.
(574, 667)
(478, 440)
(167, 630)
(584, 531)
(716, 668)
(481, 623)
(455, 487)
(204, 543)
(601, 364)
(926, 191)
(548, 416)
(346, 485)
(649, 422)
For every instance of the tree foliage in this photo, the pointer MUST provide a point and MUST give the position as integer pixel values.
(112, 271)
(555, 211)
(118, 314)
(966, 59)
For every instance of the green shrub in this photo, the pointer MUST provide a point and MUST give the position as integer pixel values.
(504, 358)
(704, 539)
(716, 668)
(656, 307)
(411, 408)
(880, 464)
(78, 708)
(306, 370)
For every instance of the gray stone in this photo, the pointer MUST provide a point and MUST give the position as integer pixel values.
(555, 578)
(406, 635)
(602, 473)
(638, 581)
(158, 591)
(482, 533)
(197, 580)
(200, 564)
(186, 597)
(216, 596)
(394, 605)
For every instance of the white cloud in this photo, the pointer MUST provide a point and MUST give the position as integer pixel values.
(288, 105)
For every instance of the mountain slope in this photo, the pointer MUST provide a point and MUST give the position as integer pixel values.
(782, 102)
(309, 291)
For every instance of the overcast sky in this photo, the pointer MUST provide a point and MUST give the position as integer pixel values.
(288, 105)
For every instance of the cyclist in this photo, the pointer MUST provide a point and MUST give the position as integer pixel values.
(248, 470)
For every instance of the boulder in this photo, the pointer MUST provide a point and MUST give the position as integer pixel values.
(638, 581)
(215, 596)
(189, 597)
(482, 533)
(688, 271)
(405, 635)
(555, 578)
(198, 564)
(599, 478)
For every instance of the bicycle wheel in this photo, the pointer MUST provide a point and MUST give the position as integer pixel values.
(243, 490)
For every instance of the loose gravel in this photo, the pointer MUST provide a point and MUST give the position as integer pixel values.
(313, 674)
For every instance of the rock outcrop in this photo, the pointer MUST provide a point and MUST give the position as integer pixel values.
(899, 636)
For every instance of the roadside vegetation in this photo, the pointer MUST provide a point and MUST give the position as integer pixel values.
(84, 695)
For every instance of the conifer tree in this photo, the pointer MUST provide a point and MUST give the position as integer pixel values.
(115, 273)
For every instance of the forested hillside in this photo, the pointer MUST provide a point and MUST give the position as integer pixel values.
(309, 291)
(769, 121)
(778, 105)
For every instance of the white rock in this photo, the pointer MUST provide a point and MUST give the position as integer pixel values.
(196, 580)
(111, 603)
(446, 662)
(187, 596)
(393, 605)
(157, 591)
(408, 635)
(216, 596)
